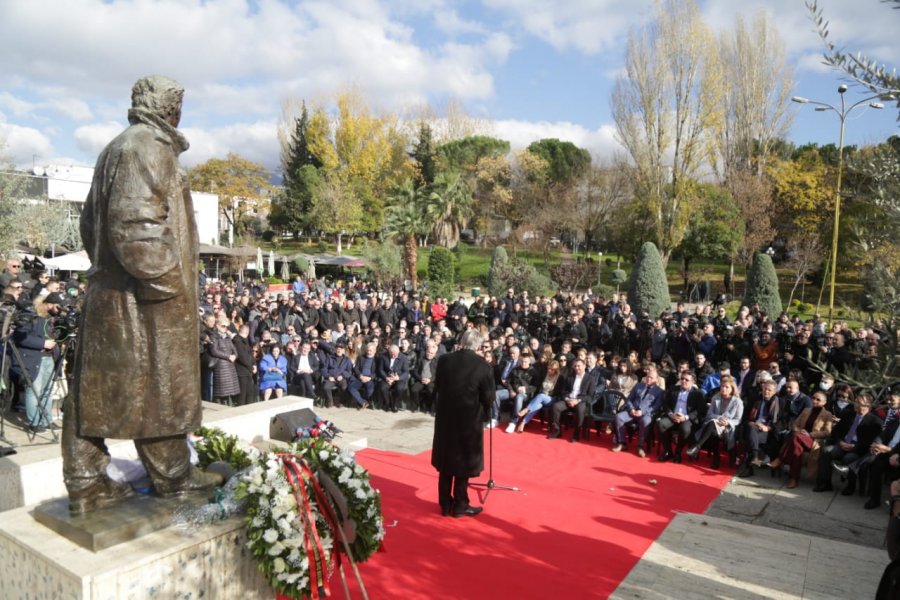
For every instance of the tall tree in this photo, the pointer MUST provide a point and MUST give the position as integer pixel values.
(804, 194)
(449, 207)
(758, 84)
(565, 160)
(365, 149)
(291, 206)
(405, 218)
(715, 231)
(425, 156)
(464, 154)
(666, 109)
(12, 187)
(755, 201)
(242, 185)
(336, 208)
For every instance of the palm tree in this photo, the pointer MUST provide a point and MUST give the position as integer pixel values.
(449, 207)
(405, 217)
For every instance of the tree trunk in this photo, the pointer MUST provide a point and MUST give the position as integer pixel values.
(686, 264)
(339, 247)
(411, 253)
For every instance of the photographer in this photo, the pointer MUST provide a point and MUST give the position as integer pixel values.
(35, 341)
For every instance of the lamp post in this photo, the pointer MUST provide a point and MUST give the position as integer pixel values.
(599, 269)
(842, 114)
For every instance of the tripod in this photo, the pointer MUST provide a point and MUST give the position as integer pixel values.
(10, 350)
(491, 484)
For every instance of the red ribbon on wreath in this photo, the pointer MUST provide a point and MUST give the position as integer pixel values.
(297, 471)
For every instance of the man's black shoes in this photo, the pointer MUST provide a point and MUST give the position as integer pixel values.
(665, 456)
(469, 511)
(554, 433)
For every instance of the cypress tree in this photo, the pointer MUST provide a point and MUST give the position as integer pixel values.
(762, 286)
(441, 280)
(649, 288)
(496, 275)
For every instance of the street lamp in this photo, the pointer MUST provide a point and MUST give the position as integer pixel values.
(842, 115)
(599, 268)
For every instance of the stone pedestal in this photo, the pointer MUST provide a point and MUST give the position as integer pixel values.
(207, 562)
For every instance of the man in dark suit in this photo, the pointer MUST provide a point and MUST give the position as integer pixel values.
(682, 410)
(850, 440)
(576, 394)
(745, 377)
(393, 378)
(362, 384)
(422, 379)
(305, 369)
(336, 374)
(464, 384)
(642, 404)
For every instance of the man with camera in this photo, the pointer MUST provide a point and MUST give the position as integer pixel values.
(39, 351)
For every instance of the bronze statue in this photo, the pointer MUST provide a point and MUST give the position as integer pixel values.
(136, 373)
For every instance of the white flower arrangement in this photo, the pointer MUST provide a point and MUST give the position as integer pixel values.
(290, 554)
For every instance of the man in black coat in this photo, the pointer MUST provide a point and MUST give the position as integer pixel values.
(464, 384)
(683, 407)
(393, 378)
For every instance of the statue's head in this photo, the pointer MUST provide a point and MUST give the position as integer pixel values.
(159, 95)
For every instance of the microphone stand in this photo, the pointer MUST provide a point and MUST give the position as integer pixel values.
(491, 484)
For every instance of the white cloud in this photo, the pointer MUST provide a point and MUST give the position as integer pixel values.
(588, 26)
(16, 106)
(600, 142)
(91, 139)
(23, 144)
(74, 108)
(449, 21)
(257, 142)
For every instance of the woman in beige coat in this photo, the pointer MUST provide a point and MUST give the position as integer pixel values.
(807, 432)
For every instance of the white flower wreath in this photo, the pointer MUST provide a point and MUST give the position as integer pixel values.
(295, 559)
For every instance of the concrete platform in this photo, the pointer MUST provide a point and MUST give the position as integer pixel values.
(699, 556)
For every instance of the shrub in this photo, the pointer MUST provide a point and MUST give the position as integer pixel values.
(441, 272)
(505, 273)
(762, 286)
(649, 288)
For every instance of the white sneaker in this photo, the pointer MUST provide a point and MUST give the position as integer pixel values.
(511, 428)
(494, 423)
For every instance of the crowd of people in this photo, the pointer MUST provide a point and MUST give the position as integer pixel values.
(756, 389)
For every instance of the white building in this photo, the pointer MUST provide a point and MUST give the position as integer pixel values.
(72, 183)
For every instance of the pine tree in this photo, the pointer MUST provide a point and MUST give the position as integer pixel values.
(762, 286)
(649, 288)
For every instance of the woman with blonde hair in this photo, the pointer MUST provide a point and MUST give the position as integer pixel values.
(722, 418)
(542, 397)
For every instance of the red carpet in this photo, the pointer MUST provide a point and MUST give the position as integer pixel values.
(584, 517)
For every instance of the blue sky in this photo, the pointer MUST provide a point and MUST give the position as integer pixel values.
(526, 68)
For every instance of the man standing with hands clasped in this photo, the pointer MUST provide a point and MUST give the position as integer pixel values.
(464, 385)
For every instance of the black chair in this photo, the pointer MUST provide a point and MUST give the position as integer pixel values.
(603, 409)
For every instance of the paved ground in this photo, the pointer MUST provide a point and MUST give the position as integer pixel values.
(750, 509)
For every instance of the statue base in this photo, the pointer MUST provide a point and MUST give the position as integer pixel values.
(210, 561)
(130, 519)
